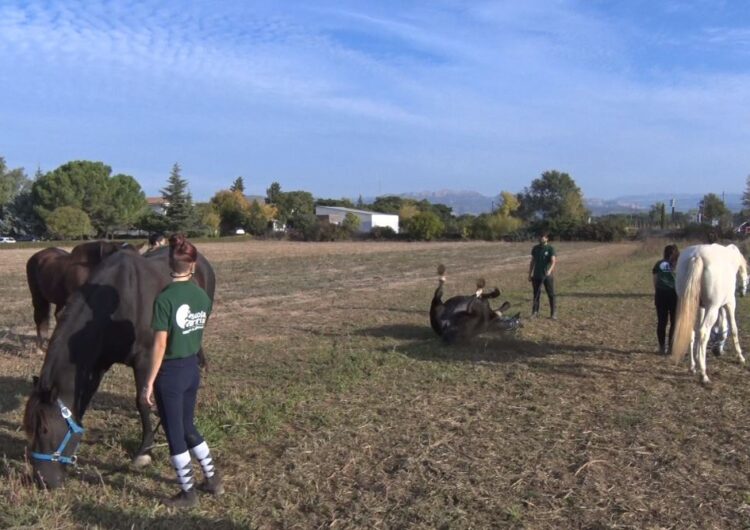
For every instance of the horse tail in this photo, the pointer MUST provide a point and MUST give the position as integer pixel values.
(687, 308)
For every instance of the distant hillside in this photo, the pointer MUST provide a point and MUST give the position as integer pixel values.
(472, 202)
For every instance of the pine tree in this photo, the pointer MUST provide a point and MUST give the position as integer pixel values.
(238, 185)
(180, 211)
(746, 198)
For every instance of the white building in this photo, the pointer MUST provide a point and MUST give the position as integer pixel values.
(367, 220)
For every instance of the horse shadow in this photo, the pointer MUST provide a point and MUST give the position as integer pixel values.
(12, 447)
(604, 295)
(90, 514)
(419, 342)
(11, 390)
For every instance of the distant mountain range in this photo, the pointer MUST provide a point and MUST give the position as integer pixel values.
(475, 203)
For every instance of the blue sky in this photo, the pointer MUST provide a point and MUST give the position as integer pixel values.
(375, 97)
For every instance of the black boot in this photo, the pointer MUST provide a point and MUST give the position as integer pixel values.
(184, 499)
(213, 484)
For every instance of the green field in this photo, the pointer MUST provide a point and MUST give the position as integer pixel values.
(331, 404)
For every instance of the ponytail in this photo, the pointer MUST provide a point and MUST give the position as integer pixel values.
(182, 253)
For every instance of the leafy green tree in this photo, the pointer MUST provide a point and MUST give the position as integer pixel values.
(13, 183)
(80, 184)
(257, 223)
(125, 204)
(658, 214)
(233, 209)
(360, 202)
(150, 221)
(425, 226)
(238, 185)
(180, 210)
(387, 204)
(555, 198)
(208, 219)
(67, 222)
(342, 203)
(746, 198)
(509, 204)
(273, 193)
(351, 223)
(713, 208)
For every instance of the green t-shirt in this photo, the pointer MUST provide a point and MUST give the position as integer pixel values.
(664, 275)
(542, 255)
(181, 310)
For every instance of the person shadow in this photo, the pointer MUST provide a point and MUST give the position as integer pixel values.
(89, 514)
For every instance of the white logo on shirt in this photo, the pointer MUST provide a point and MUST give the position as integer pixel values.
(188, 321)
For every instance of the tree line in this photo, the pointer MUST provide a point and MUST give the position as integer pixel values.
(82, 199)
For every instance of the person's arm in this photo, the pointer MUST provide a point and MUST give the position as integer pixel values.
(531, 267)
(157, 356)
(552, 265)
(655, 279)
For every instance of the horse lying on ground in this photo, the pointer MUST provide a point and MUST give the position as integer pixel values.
(54, 274)
(464, 317)
(106, 321)
(706, 281)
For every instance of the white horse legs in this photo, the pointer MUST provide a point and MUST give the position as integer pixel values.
(729, 310)
(704, 332)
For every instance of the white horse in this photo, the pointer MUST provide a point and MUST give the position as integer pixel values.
(706, 280)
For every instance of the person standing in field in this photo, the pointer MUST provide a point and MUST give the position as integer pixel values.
(665, 296)
(543, 260)
(181, 311)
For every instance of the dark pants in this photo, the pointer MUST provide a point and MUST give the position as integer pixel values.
(176, 389)
(549, 286)
(666, 309)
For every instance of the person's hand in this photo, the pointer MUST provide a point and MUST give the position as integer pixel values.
(147, 394)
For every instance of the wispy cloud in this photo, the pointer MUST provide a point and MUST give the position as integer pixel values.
(491, 92)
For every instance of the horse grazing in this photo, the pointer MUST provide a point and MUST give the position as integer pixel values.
(706, 281)
(464, 317)
(54, 274)
(106, 321)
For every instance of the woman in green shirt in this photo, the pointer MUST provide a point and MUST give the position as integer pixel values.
(665, 296)
(180, 314)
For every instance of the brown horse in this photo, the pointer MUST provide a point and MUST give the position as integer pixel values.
(54, 274)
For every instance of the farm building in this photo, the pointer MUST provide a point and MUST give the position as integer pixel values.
(368, 220)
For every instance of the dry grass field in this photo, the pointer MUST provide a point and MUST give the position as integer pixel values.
(330, 403)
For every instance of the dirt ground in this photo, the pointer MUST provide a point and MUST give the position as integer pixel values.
(331, 404)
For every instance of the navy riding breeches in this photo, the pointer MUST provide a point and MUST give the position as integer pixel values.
(176, 389)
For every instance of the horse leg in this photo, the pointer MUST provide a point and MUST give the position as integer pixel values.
(729, 313)
(691, 350)
(143, 455)
(41, 319)
(709, 317)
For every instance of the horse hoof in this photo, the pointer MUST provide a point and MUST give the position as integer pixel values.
(141, 461)
(705, 381)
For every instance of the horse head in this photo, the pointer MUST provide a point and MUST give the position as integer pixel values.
(46, 430)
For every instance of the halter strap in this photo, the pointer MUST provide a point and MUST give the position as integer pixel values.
(73, 429)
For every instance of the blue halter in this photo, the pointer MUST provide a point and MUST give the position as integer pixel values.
(73, 429)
